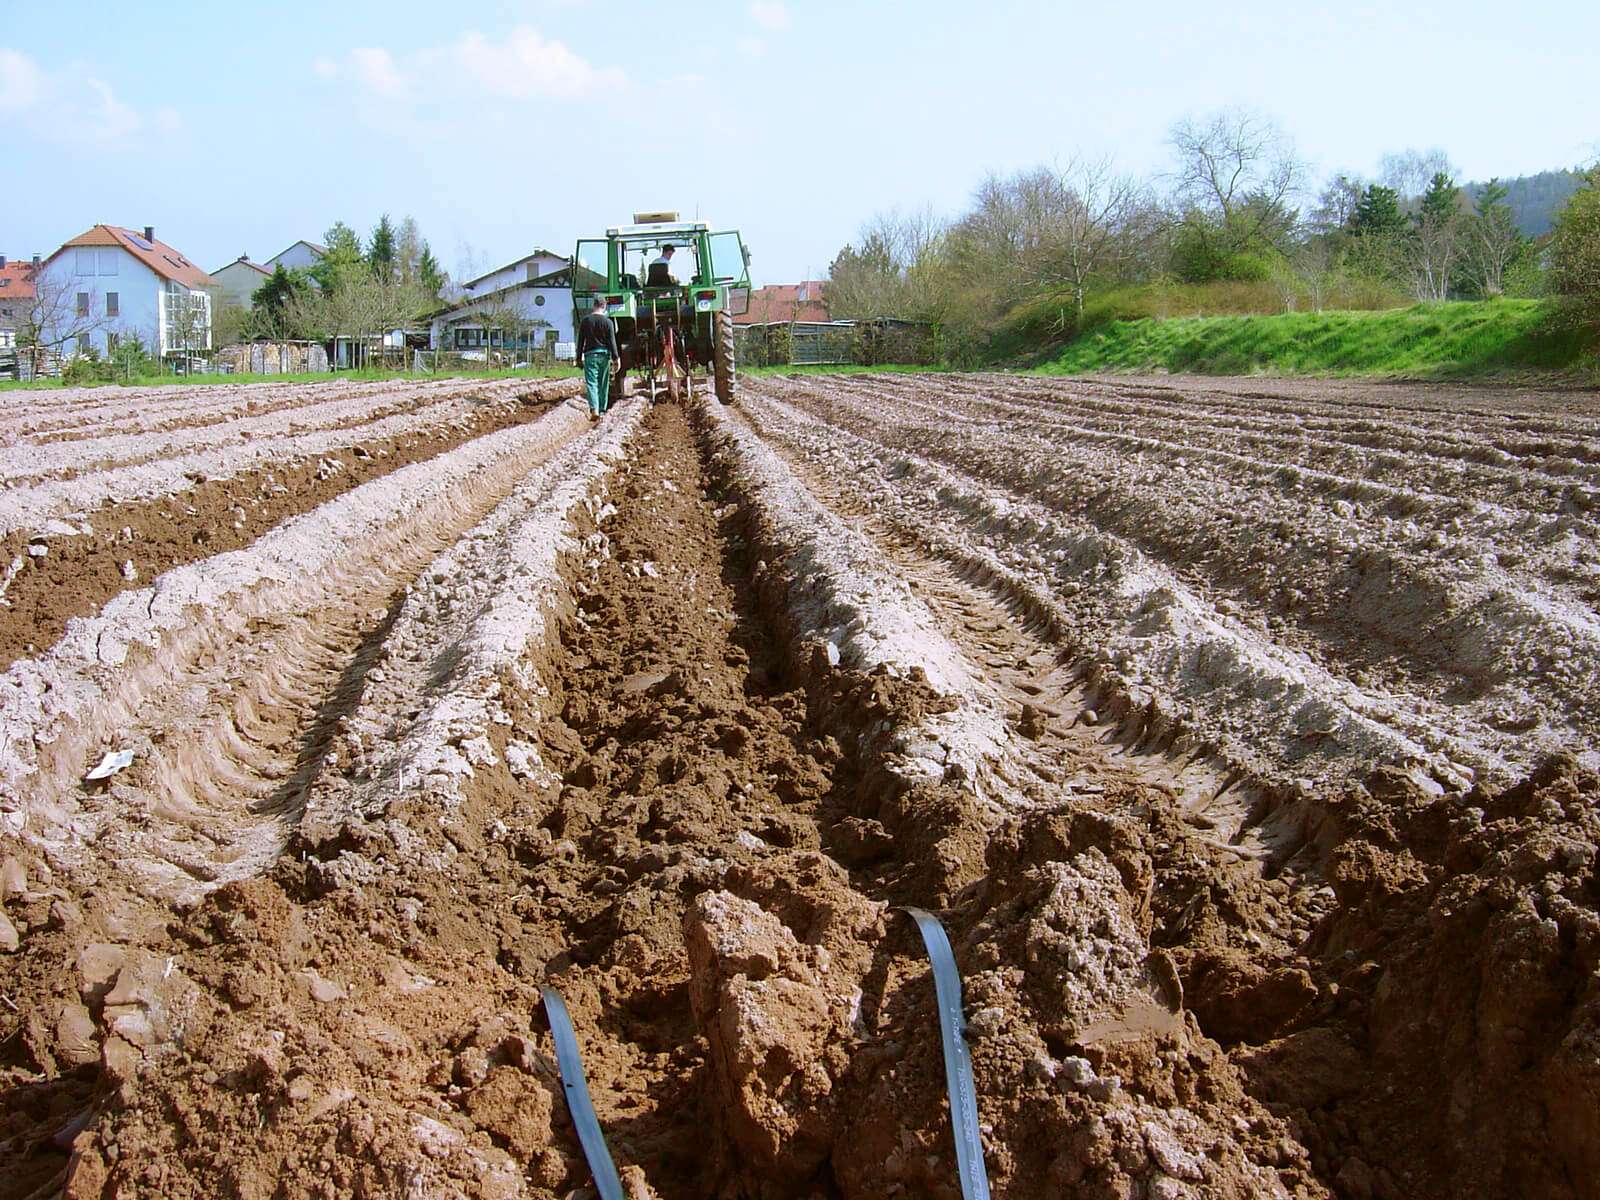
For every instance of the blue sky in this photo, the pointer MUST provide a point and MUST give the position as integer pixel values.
(502, 126)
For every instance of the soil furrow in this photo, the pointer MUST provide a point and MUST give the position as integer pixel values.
(132, 542)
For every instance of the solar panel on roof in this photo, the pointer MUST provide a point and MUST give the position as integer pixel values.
(138, 241)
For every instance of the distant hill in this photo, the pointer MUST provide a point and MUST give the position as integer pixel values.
(1535, 199)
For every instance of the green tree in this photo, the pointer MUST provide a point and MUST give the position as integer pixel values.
(281, 285)
(340, 265)
(381, 250)
(1575, 254)
(1494, 243)
(1377, 212)
(1380, 236)
(1439, 222)
(429, 273)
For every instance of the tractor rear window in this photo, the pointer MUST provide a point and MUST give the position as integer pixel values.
(727, 257)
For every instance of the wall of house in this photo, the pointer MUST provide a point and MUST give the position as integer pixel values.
(298, 255)
(139, 292)
(239, 282)
(535, 268)
(101, 271)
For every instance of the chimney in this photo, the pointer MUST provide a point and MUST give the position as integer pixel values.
(150, 234)
(2, 262)
(35, 262)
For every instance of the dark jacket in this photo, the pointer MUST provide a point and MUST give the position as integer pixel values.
(596, 332)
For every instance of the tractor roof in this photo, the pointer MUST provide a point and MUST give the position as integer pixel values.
(646, 232)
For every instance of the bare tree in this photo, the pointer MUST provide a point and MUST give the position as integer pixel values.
(1315, 261)
(1089, 226)
(1437, 240)
(63, 313)
(892, 269)
(408, 251)
(1409, 172)
(1336, 204)
(1237, 165)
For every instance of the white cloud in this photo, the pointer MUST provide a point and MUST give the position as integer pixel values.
(375, 69)
(111, 119)
(771, 15)
(21, 81)
(526, 65)
(522, 65)
(75, 105)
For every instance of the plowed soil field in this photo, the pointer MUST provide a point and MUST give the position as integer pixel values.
(1242, 735)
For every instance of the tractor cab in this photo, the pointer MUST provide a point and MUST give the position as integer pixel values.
(667, 326)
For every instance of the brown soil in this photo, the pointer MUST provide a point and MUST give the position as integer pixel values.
(79, 574)
(1181, 979)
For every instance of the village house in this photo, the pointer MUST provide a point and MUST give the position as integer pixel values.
(240, 280)
(805, 302)
(301, 256)
(529, 267)
(521, 307)
(16, 297)
(119, 281)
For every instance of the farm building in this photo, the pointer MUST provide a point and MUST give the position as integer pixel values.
(239, 280)
(519, 315)
(110, 282)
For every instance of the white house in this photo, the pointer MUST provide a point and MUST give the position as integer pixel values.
(240, 279)
(123, 282)
(301, 255)
(527, 268)
(520, 315)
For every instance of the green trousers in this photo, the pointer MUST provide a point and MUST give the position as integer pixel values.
(597, 379)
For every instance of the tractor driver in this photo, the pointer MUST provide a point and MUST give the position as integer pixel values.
(659, 273)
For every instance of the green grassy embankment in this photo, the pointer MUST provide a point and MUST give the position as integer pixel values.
(1454, 340)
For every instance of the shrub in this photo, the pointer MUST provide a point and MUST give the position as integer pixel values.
(1575, 255)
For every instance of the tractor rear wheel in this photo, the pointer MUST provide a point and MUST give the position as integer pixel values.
(722, 356)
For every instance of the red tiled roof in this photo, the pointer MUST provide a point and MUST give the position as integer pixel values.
(787, 302)
(16, 280)
(160, 257)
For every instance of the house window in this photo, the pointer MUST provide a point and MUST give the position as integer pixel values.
(113, 304)
(83, 304)
(83, 262)
(106, 260)
(538, 300)
(111, 343)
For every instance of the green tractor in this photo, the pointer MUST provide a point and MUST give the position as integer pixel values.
(673, 321)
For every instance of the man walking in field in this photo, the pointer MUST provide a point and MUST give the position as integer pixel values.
(597, 350)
